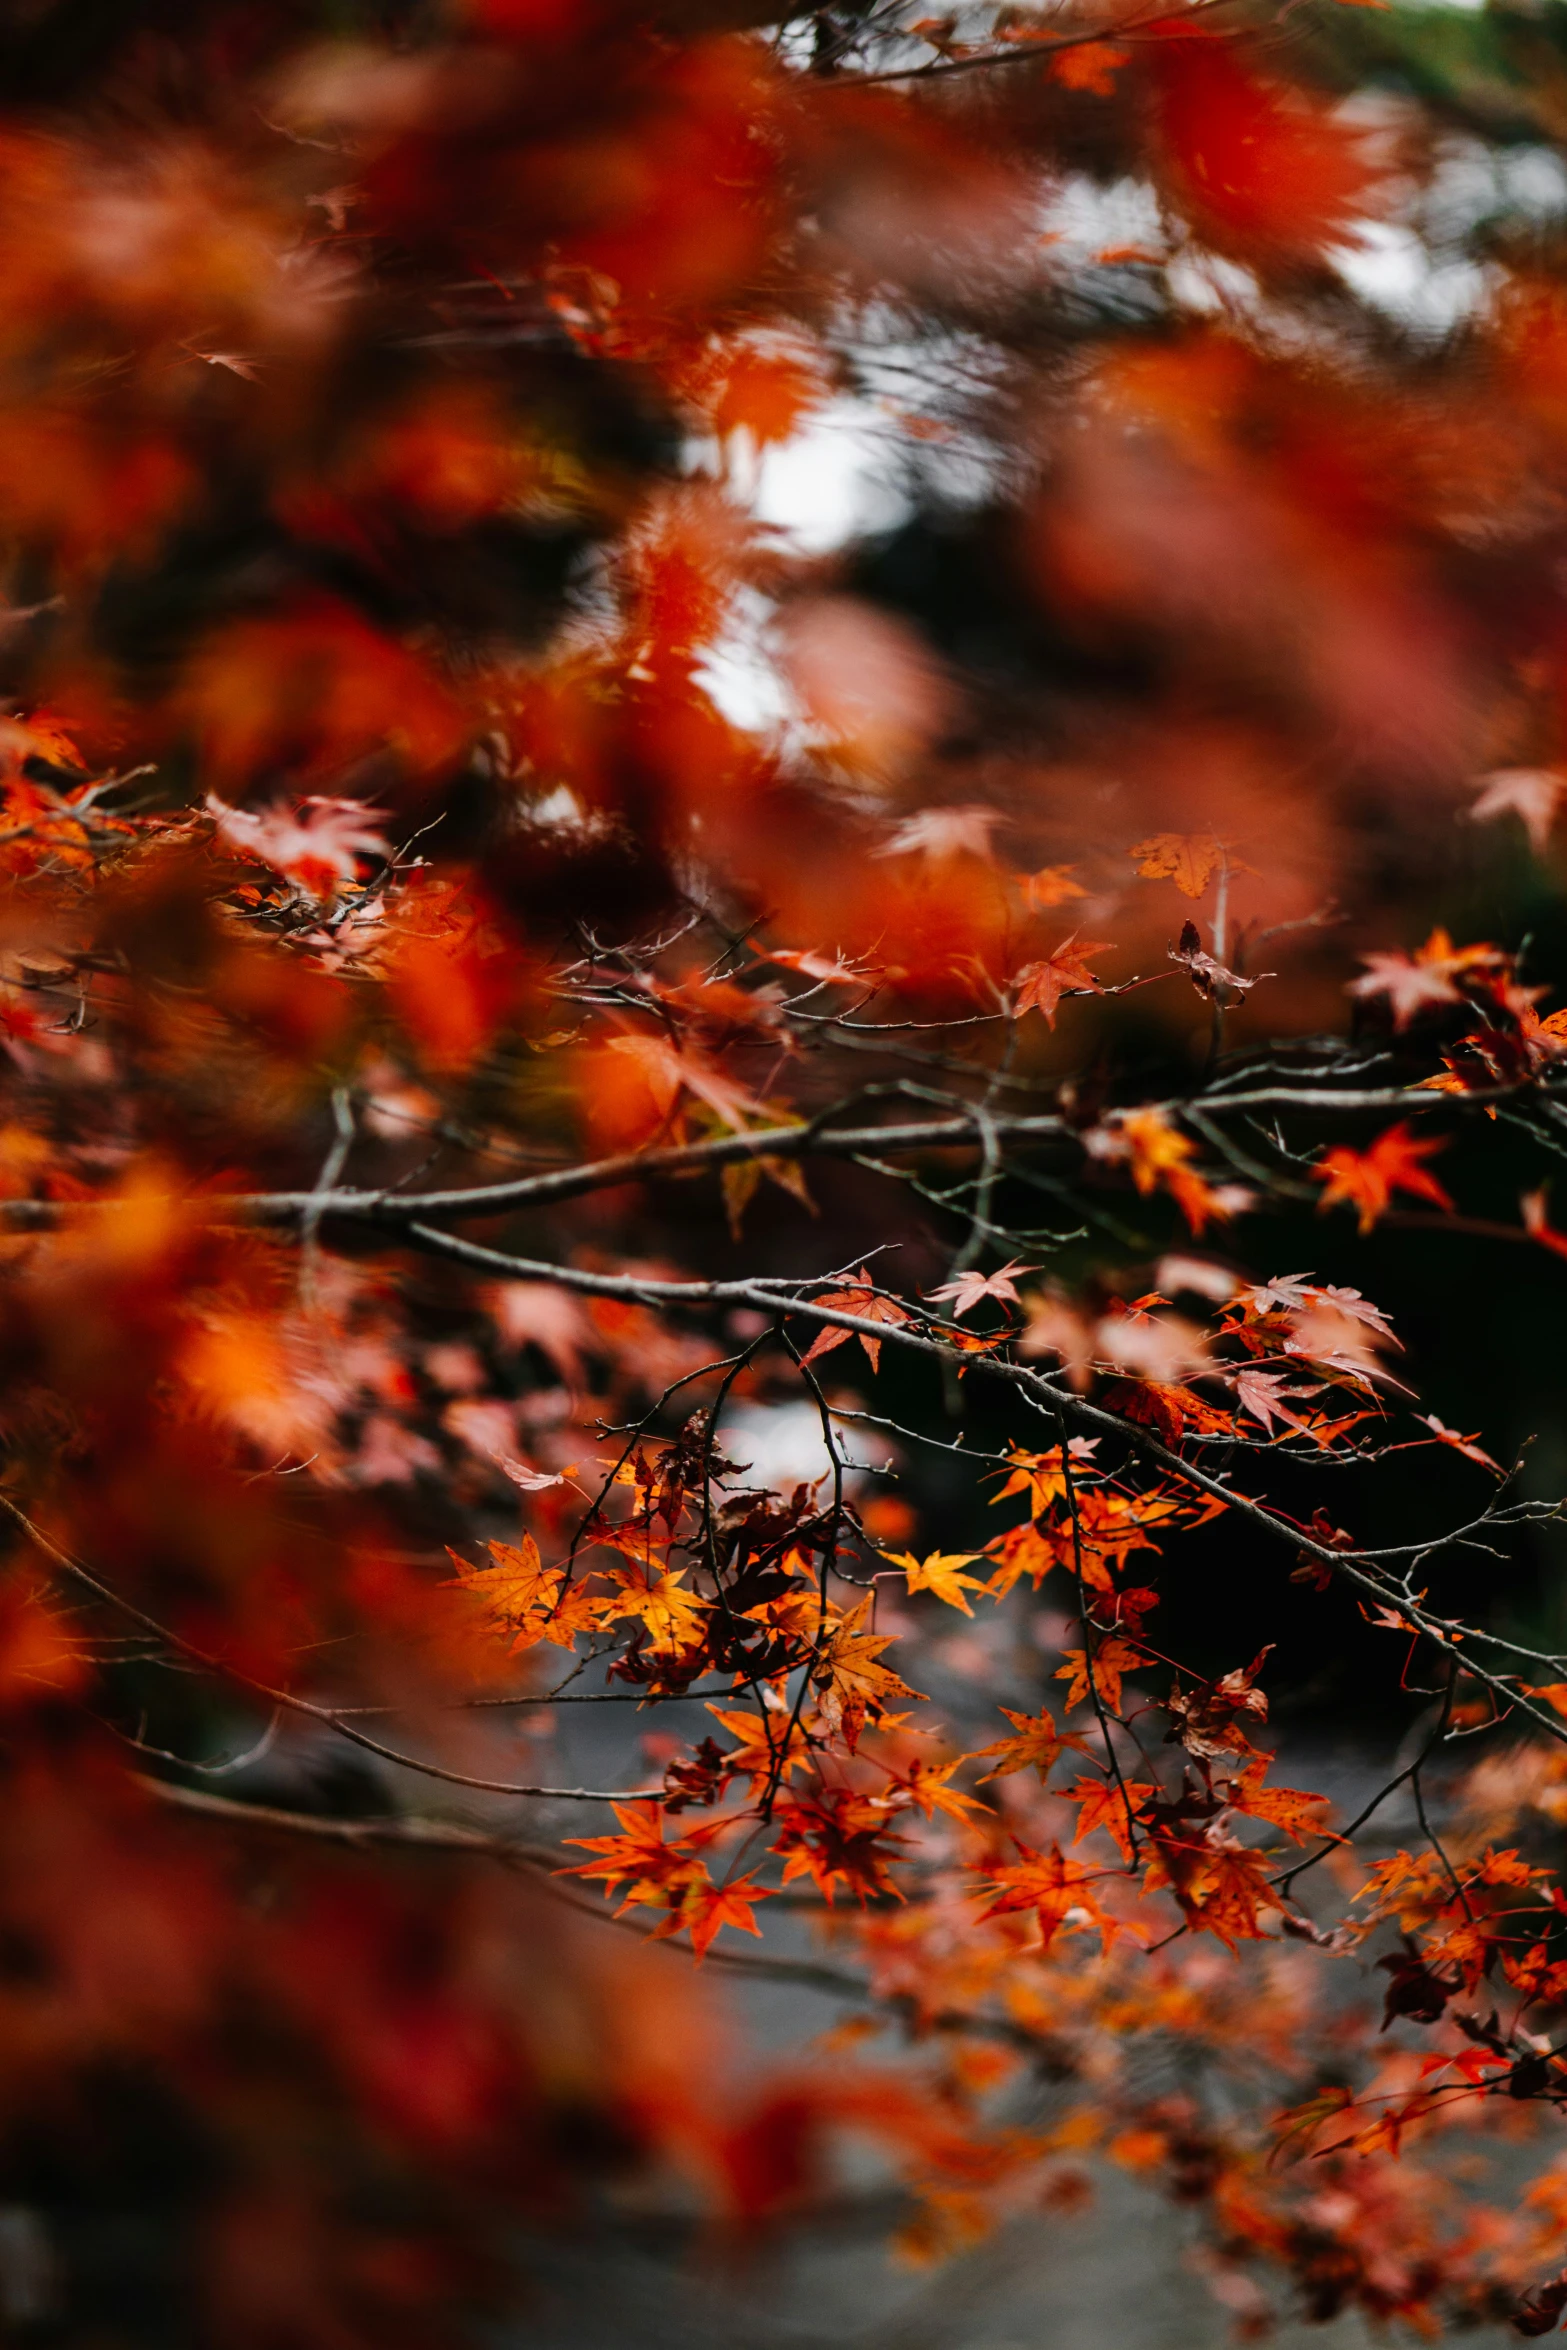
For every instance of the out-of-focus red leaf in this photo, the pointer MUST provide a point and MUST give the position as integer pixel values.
(1263, 171)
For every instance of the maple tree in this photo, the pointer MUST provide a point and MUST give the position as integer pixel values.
(539, 1222)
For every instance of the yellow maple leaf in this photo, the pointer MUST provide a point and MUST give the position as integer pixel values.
(514, 1583)
(939, 1573)
(766, 1750)
(673, 1616)
(1186, 858)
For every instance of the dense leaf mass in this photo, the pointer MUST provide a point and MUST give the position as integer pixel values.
(752, 771)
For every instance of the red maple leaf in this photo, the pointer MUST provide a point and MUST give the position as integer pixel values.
(318, 845)
(1267, 1395)
(862, 1300)
(1469, 1446)
(1040, 986)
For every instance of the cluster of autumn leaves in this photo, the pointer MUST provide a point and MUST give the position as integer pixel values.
(670, 1578)
(1016, 1884)
(376, 429)
(827, 1777)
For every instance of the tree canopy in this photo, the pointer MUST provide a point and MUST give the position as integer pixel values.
(780, 933)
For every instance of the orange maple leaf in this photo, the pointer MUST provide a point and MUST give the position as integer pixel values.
(1168, 1408)
(1412, 982)
(1037, 1744)
(1104, 1803)
(1186, 858)
(1369, 1178)
(1054, 1888)
(1027, 1550)
(1052, 885)
(850, 1677)
(839, 1837)
(1160, 1158)
(766, 391)
(318, 845)
(706, 1908)
(666, 1874)
(968, 1289)
(639, 1856)
(766, 1751)
(1294, 2129)
(1258, 168)
(928, 1787)
(863, 1301)
(1294, 1809)
(667, 1072)
(527, 1599)
(1111, 1659)
(1470, 1446)
(939, 1573)
(1041, 1475)
(1040, 986)
(1094, 66)
(1221, 1887)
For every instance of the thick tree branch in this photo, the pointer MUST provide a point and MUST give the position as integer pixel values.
(393, 1209)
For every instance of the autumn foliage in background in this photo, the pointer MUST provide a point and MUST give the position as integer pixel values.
(769, 1239)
